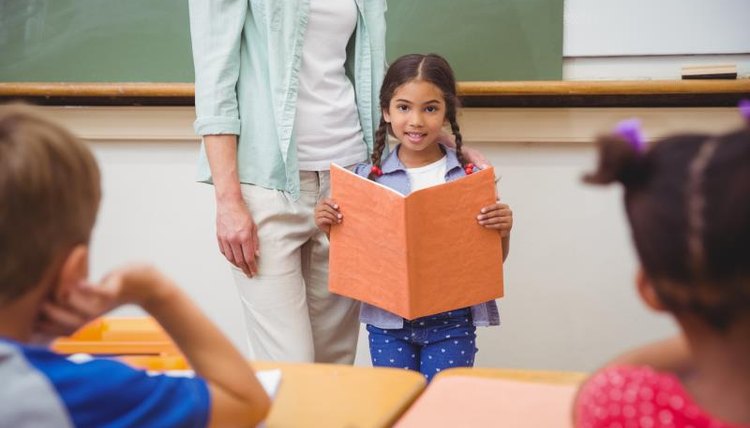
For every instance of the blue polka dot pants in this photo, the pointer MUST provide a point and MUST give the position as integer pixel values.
(428, 345)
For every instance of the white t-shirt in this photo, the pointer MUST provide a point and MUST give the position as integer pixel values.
(428, 175)
(327, 124)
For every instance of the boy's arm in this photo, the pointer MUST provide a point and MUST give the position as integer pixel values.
(237, 398)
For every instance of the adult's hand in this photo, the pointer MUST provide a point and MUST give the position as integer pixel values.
(236, 232)
(476, 157)
(237, 235)
(471, 155)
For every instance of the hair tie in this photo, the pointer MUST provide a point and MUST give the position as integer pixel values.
(745, 109)
(376, 170)
(630, 130)
(469, 168)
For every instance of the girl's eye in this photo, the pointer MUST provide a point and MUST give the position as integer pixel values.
(402, 107)
(431, 109)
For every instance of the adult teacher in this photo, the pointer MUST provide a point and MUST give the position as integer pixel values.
(283, 88)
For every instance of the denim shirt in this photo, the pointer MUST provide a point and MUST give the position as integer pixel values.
(395, 176)
(247, 56)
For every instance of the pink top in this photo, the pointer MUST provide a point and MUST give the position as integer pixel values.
(623, 397)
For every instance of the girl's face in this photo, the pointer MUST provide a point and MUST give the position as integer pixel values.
(417, 115)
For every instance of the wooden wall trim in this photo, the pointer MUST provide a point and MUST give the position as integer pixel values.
(642, 93)
(557, 126)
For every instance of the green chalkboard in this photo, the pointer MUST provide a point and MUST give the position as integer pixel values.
(482, 39)
(95, 41)
(149, 40)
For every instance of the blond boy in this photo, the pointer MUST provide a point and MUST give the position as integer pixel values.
(49, 196)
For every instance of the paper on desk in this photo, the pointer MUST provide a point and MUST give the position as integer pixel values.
(270, 380)
(473, 402)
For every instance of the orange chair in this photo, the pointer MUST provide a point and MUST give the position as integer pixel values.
(118, 336)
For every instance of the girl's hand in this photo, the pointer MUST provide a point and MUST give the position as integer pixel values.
(497, 216)
(327, 214)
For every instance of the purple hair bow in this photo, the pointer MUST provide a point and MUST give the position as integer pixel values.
(745, 109)
(630, 130)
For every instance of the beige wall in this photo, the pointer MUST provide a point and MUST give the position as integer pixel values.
(569, 299)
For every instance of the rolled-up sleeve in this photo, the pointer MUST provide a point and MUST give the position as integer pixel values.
(216, 32)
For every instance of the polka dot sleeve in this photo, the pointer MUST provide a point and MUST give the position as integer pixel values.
(639, 397)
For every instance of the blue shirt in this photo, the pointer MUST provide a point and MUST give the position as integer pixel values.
(43, 389)
(396, 177)
(247, 57)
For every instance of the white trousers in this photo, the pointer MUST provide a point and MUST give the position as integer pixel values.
(289, 313)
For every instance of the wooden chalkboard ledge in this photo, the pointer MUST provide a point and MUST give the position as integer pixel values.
(93, 94)
(641, 93)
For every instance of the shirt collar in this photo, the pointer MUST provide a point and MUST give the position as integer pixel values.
(392, 163)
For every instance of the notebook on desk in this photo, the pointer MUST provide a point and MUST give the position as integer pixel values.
(474, 401)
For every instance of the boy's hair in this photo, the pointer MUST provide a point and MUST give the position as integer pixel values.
(688, 202)
(430, 68)
(49, 196)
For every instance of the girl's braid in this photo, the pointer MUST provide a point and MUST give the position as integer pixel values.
(377, 151)
(459, 142)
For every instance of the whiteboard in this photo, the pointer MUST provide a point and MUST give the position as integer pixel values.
(655, 27)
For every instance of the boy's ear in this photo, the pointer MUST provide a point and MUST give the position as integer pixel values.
(75, 268)
(647, 292)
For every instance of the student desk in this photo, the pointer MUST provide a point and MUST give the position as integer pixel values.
(329, 395)
(541, 376)
(118, 336)
(326, 395)
(495, 397)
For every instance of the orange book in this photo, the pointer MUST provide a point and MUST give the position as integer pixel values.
(419, 254)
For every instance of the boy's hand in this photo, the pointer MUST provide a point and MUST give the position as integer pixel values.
(66, 313)
(327, 214)
(497, 216)
(80, 305)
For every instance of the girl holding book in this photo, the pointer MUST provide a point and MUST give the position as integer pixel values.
(418, 97)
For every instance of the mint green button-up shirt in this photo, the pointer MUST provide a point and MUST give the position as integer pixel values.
(247, 56)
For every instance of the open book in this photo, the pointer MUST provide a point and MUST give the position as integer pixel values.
(415, 255)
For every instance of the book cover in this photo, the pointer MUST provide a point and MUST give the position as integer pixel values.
(415, 255)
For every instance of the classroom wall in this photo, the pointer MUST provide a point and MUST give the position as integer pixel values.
(570, 303)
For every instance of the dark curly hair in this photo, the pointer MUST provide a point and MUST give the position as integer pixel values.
(687, 198)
